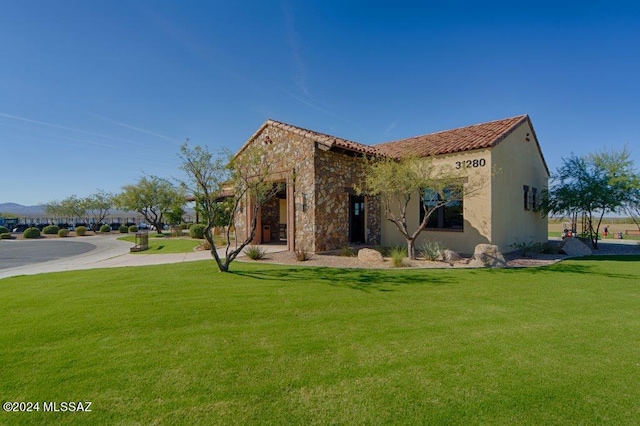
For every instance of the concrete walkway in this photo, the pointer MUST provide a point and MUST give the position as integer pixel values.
(112, 253)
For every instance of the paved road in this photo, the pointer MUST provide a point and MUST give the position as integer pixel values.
(104, 251)
(16, 253)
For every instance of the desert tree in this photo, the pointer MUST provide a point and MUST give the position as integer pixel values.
(71, 207)
(222, 185)
(593, 185)
(151, 196)
(397, 181)
(97, 206)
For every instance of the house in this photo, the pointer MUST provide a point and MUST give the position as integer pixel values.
(318, 209)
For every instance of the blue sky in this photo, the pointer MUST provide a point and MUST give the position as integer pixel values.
(94, 94)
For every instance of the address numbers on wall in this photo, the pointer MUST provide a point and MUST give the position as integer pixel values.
(471, 163)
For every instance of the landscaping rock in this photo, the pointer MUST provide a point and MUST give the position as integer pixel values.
(451, 256)
(488, 256)
(370, 256)
(575, 247)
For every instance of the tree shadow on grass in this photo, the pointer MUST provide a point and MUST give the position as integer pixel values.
(358, 279)
(587, 266)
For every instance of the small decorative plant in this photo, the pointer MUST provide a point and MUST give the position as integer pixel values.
(255, 252)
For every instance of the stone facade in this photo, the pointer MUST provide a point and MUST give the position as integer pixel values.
(320, 182)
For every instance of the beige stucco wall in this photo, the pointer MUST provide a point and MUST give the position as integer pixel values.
(519, 163)
(476, 208)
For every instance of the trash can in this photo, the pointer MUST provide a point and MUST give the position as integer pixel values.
(266, 233)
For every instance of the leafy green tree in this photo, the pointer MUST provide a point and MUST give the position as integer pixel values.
(594, 185)
(220, 184)
(397, 181)
(151, 196)
(97, 206)
(70, 207)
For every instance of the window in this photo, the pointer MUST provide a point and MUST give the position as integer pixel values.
(525, 190)
(447, 216)
(534, 198)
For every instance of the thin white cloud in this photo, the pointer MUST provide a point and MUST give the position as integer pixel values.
(390, 127)
(138, 129)
(56, 126)
(299, 77)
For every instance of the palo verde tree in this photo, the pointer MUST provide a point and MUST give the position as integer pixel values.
(97, 206)
(221, 184)
(397, 181)
(151, 196)
(71, 207)
(594, 185)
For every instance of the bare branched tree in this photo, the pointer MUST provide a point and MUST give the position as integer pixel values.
(232, 181)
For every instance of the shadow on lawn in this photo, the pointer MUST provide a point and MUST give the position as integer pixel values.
(357, 279)
(588, 266)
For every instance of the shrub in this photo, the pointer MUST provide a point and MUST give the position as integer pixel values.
(123, 229)
(105, 229)
(397, 255)
(526, 248)
(63, 233)
(81, 230)
(50, 230)
(184, 226)
(432, 250)
(5, 236)
(4, 230)
(31, 233)
(206, 245)
(133, 228)
(197, 231)
(302, 255)
(255, 252)
(347, 252)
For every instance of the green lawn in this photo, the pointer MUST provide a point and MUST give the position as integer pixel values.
(183, 344)
(163, 244)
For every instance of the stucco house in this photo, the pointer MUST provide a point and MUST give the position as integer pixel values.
(319, 210)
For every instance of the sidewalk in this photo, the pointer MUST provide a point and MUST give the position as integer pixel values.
(112, 253)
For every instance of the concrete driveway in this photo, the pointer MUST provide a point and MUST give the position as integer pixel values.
(28, 257)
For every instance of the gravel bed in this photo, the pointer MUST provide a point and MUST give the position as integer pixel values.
(514, 259)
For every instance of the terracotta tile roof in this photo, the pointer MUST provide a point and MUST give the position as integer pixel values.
(326, 140)
(478, 136)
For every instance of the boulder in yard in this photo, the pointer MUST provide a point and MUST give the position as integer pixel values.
(487, 256)
(574, 247)
(370, 255)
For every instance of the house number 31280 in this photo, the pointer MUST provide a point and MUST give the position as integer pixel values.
(471, 163)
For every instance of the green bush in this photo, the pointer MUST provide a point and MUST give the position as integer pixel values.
(397, 255)
(81, 230)
(50, 230)
(347, 251)
(123, 229)
(255, 252)
(197, 231)
(4, 230)
(133, 228)
(432, 250)
(105, 229)
(63, 233)
(5, 236)
(184, 226)
(31, 233)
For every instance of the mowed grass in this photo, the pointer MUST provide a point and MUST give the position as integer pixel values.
(183, 344)
(164, 244)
